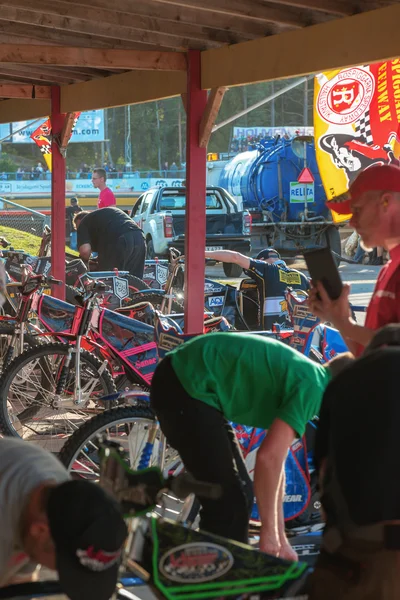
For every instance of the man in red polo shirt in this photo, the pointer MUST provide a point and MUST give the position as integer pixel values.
(374, 201)
(106, 196)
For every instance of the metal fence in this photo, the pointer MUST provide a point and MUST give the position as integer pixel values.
(22, 218)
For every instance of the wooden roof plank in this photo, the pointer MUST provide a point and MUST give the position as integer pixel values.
(125, 22)
(248, 9)
(30, 92)
(181, 14)
(306, 51)
(91, 57)
(335, 7)
(45, 35)
(74, 25)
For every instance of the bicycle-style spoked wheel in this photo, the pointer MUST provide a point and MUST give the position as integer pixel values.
(7, 352)
(134, 428)
(37, 394)
(137, 432)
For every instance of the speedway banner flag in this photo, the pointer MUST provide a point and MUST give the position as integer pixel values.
(42, 137)
(356, 123)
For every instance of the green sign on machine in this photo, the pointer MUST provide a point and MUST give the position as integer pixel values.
(298, 192)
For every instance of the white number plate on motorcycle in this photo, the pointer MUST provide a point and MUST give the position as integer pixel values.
(211, 248)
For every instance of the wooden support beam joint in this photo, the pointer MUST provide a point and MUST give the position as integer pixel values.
(214, 102)
(66, 133)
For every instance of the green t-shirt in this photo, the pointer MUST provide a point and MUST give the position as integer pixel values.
(251, 379)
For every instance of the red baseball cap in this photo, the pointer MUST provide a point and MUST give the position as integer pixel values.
(375, 178)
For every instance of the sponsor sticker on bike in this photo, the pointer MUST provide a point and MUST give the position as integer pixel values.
(196, 562)
(216, 300)
(289, 278)
(168, 342)
(299, 341)
(161, 274)
(210, 287)
(121, 288)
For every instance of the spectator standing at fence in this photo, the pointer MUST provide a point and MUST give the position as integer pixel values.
(106, 196)
(71, 211)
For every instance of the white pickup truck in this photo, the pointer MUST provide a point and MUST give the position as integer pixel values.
(160, 212)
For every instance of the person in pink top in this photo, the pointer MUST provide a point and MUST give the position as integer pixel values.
(106, 196)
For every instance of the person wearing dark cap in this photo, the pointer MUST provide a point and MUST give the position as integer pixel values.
(272, 277)
(373, 200)
(357, 461)
(73, 527)
(70, 212)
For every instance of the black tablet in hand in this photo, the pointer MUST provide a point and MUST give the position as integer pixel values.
(322, 267)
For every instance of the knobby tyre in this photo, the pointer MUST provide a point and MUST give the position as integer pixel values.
(31, 409)
(80, 453)
(7, 330)
(130, 427)
(156, 300)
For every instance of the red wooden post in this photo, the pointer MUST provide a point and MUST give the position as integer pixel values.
(196, 164)
(57, 197)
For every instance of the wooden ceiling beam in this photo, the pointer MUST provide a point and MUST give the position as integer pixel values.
(91, 57)
(306, 51)
(32, 71)
(124, 21)
(181, 14)
(18, 109)
(214, 102)
(125, 88)
(99, 28)
(30, 92)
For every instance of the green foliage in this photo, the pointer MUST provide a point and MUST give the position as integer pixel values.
(7, 165)
(20, 240)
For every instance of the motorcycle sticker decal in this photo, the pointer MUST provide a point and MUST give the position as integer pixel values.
(196, 562)
(211, 287)
(121, 288)
(216, 301)
(161, 274)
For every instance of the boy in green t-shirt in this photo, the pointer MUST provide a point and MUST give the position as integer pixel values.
(252, 380)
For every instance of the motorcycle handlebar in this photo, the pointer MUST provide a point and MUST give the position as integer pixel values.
(52, 281)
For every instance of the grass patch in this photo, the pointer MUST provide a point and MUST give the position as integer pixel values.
(21, 240)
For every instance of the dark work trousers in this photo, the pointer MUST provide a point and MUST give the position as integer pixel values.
(128, 254)
(209, 450)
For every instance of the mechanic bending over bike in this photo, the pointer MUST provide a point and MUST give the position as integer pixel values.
(115, 236)
(252, 380)
(73, 527)
(272, 277)
(358, 464)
